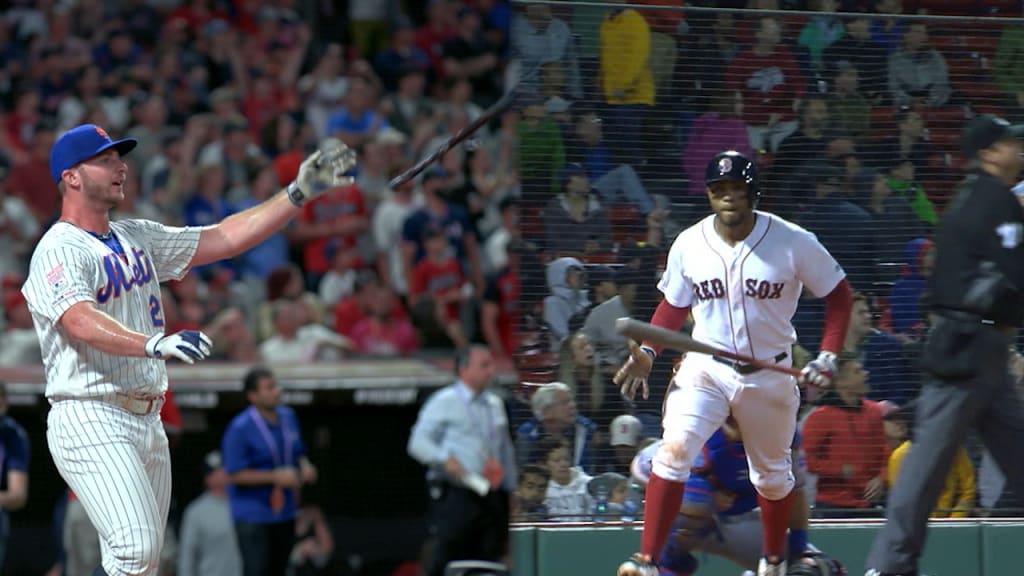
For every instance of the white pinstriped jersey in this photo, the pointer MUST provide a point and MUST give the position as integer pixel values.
(70, 265)
(743, 297)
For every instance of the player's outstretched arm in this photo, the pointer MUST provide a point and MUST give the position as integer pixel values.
(321, 171)
(86, 323)
(820, 371)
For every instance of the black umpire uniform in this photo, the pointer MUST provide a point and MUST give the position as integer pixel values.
(976, 307)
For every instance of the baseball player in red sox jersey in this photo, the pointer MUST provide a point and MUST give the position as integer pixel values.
(740, 272)
(94, 293)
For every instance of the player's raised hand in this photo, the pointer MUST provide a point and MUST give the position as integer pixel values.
(322, 170)
(187, 346)
(632, 377)
(820, 371)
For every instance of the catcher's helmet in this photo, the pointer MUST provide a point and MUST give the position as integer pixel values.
(731, 165)
(816, 564)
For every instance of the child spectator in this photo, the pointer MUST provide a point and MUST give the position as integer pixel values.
(566, 499)
(435, 292)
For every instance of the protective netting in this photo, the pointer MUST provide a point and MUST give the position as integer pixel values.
(852, 113)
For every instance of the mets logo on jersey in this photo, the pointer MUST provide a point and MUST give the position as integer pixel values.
(139, 273)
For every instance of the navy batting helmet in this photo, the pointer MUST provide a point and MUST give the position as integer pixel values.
(731, 165)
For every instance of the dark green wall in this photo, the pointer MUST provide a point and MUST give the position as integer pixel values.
(957, 549)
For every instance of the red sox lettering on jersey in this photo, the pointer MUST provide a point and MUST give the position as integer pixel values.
(754, 288)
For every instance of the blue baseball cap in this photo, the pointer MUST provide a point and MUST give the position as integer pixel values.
(81, 143)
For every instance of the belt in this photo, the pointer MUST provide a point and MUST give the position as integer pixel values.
(141, 404)
(745, 369)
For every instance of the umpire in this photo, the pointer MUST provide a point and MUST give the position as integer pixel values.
(976, 306)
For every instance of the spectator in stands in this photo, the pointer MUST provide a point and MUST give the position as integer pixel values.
(18, 227)
(541, 152)
(285, 283)
(261, 260)
(555, 415)
(627, 84)
(13, 468)
(893, 220)
(539, 38)
(901, 182)
(323, 88)
(918, 75)
(575, 221)
(566, 497)
(471, 56)
(208, 544)
(461, 435)
(959, 493)
(314, 544)
(714, 46)
(841, 225)
(612, 348)
(356, 121)
(579, 369)
(388, 220)
(849, 108)
(357, 307)
(624, 434)
(500, 312)
(336, 218)
(857, 49)
(436, 291)
(403, 58)
(771, 83)
(18, 345)
(889, 32)
(890, 377)
(617, 183)
(528, 498)
(295, 342)
(820, 32)
(29, 177)
(720, 128)
(602, 285)
(408, 109)
(381, 332)
(266, 462)
(908, 291)
(814, 144)
(908, 143)
(1008, 70)
(567, 296)
(844, 441)
(339, 281)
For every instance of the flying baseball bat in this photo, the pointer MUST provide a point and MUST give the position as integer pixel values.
(455, 140)
(646, 332)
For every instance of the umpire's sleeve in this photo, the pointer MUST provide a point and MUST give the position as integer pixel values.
(428, 432)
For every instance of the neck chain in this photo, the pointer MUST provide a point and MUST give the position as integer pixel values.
(107, 236)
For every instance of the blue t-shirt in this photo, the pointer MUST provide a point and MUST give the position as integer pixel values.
(343, 121)
(252, 443)
(14, 449)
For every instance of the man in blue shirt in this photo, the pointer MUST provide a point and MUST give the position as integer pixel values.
(13, 469)
(266, 463)
(462, 436)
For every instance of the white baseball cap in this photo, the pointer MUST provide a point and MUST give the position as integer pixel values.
(625, 430)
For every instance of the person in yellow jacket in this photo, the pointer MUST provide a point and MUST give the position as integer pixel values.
(960, 492)
(626, 82)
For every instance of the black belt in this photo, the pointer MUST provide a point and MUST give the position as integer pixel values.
(745, 369)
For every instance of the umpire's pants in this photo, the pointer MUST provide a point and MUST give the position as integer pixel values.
(468, 526)
(945, 412)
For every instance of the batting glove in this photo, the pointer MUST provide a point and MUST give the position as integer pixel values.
(187, 346)
(820, 371)
(322, 170)
(632, 377)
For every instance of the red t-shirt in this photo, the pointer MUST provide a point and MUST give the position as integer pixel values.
(768, 83)
(335, 205)
(391, 338)
(348, 313)
(504, 291)
(438, 279)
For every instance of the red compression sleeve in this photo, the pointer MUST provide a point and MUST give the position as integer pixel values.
(669, 317)
(837, 317)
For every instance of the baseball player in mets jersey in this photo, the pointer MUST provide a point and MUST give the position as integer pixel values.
(719, 513)
(740, 272)
(94, 293)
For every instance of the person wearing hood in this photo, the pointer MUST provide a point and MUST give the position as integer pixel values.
(567, 296)
(907, 292)
(844, 441)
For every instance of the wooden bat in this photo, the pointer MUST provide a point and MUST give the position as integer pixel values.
(646, 332)
(488, 115)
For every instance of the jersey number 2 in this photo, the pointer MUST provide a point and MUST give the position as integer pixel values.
(154, 312)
